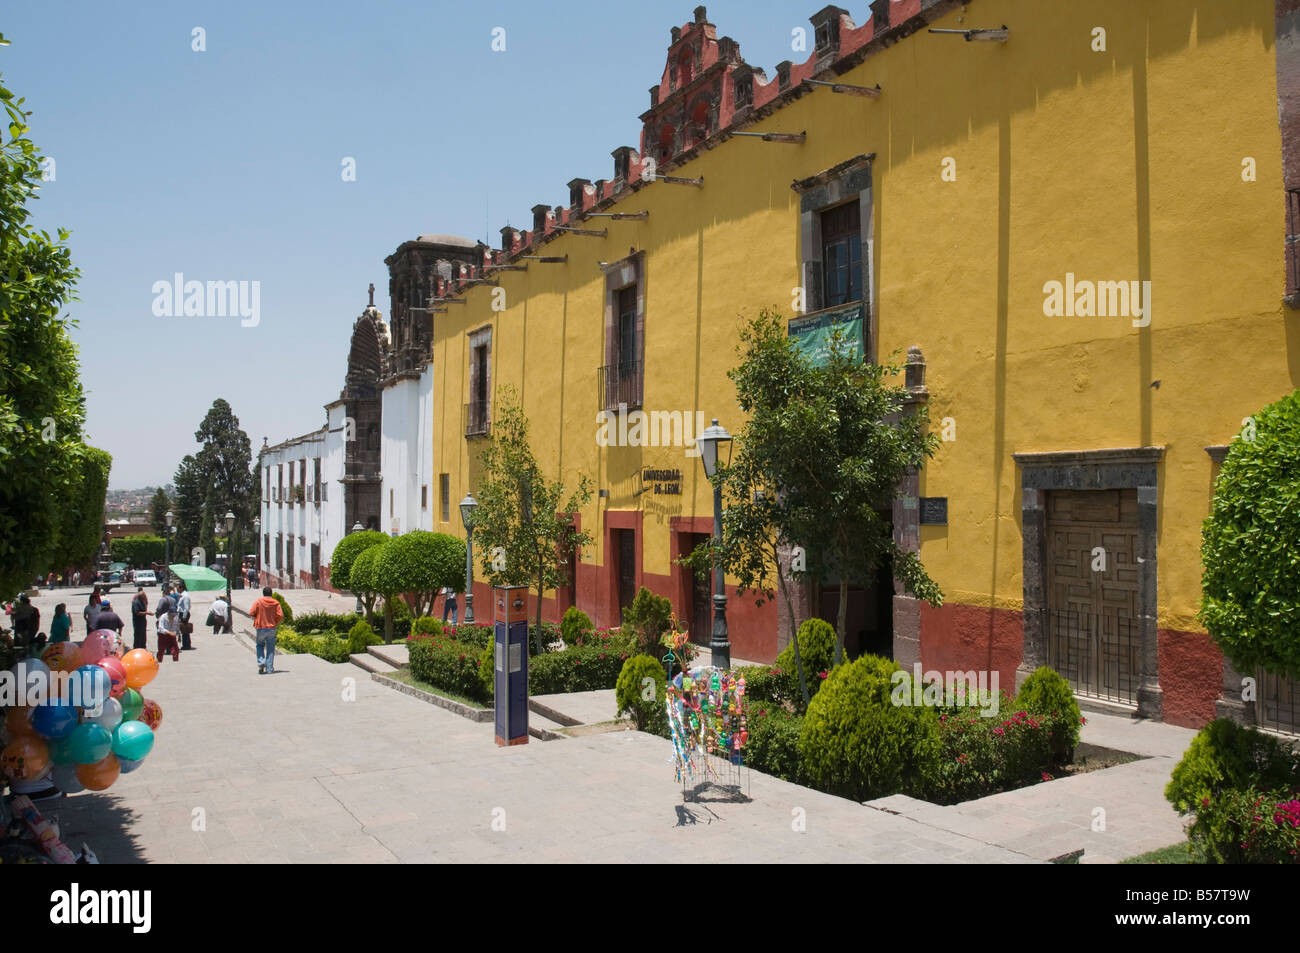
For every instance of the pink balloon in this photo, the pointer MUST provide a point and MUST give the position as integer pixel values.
(117, 672)
(96, 645)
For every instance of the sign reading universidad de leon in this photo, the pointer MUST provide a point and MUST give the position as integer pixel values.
(812, 332)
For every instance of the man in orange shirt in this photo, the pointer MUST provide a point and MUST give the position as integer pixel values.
(266, 615)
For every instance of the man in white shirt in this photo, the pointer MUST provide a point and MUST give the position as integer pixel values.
(183, 616)
(217, 618)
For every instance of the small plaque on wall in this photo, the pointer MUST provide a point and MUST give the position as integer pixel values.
(934, 510)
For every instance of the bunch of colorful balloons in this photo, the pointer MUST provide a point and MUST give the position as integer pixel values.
(80, 720)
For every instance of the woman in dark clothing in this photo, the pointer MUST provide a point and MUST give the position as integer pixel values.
(139, 616)
(61, 625)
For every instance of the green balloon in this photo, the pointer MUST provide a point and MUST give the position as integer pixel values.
(132, 740)
(60, 750)
(132, 704)
(90, 743)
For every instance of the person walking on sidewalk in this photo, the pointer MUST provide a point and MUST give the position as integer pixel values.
(266, 615)
(183, 616)
(108, 619)
(168, 627)
(92, 609)
(217, 615)
(140, 619)
(61, 625)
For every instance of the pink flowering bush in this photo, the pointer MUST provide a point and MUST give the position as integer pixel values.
(983, 755)
(1249, 826)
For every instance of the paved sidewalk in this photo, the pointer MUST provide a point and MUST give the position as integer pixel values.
(318, 763)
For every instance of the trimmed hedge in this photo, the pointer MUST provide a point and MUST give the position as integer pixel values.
(582, 669)
(1250, 826)
(575, 625)
(773, 744)
(329, 647)
(340, 623)
(362, 635)
(1225, 756)
(984, 755)
(284, 607)
(447, 664)
(817, 653)
(480, 635)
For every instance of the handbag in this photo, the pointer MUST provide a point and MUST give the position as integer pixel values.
(187, 628)
(212, 617)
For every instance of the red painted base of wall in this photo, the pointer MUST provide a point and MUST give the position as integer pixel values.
(961, 638)
(1191, 677)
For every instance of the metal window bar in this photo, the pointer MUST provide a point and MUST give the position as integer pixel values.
(476, 418)
(1097, 654)
(620, 384)
(1278, 703)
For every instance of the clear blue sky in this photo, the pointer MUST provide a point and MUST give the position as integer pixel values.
(225, 165)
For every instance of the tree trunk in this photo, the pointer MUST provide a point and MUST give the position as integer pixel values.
(388, 620)
(794, 632)
(840, 620)
(541, 581)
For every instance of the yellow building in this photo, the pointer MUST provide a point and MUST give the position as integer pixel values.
(1077, 221)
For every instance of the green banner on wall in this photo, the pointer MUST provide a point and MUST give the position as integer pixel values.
(812, 333)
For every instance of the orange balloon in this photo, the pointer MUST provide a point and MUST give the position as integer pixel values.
(62, 656)
(18, 722)
(23, 759)
(101, 774)
(141, 667)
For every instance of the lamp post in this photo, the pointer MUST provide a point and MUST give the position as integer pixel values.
(167, 546)
(257, 553)
(710, 442)
(467, 507)
(230, 563)
(357, 528)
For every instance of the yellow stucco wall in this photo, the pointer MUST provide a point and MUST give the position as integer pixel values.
(1117, 165)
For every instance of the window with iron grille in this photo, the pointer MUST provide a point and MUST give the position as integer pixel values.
(842, 254)
(444, 490)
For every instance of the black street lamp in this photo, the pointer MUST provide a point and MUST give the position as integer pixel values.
(709, 443)
(230, 563)
(467, 507)
(357, 528)
(257, 541)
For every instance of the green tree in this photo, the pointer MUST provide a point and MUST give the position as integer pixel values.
(419, 564)
(822, 452)
(81, 522)
(191, 494)
(42, 405)
(525, 534)
(225, 458)
(1250, 545)
(369, 584)
(347, 550)
(140, 551)
(158, 508)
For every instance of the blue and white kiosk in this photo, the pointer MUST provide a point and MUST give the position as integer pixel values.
(510, 636)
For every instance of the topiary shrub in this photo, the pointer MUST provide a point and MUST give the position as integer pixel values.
(477, 635)
(487, 673)
(338, 623)
(360, 636)
(345, 553)
(856, 743)
(641, 691)
(574, 625)
(427, 625)
(1250, 545)
(648, 618)
(816, 639)
(284, 607)
(583, 669)
(773, 743)
(1225, 756)
(1046, 692)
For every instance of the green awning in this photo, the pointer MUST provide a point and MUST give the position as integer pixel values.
(198, 578)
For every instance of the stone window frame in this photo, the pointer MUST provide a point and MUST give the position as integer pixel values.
(1126, 468)
(819, 194)
(481, 337)
(619, 276)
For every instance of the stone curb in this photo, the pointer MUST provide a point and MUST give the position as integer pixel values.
(555, 716)
(473, 714)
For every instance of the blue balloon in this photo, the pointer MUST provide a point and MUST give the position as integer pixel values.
(65, 778)
(91, 685)
(54, 719)
(90, 743)
(128, 765)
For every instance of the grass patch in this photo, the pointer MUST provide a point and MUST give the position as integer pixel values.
(404, 676)
(1174, 854)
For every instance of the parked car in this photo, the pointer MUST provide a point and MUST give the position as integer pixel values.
(145, 577)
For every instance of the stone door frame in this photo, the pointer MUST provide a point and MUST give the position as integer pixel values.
(1112, 469)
